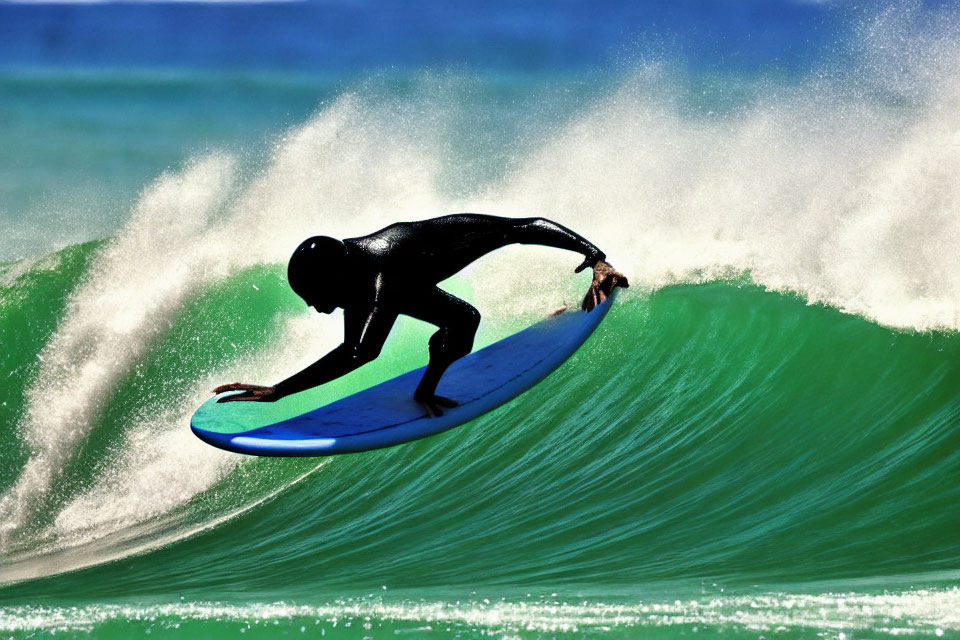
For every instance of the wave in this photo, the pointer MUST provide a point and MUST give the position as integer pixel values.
(711, 430)
(776, 399)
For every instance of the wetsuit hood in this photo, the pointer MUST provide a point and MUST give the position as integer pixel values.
(315, 272)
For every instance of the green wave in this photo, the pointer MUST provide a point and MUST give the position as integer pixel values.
(707, 432)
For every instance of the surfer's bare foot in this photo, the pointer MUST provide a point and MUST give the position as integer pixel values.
(250, 392)
(559, 311)
(432, 403)
(605, 278)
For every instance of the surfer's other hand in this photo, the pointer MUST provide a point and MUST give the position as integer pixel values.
(432, 404)
(605, 278)
(250, 392)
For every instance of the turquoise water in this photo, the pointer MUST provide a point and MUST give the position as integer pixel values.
(760, 439)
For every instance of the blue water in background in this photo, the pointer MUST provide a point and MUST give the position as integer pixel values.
(337, 37)
(97, 100)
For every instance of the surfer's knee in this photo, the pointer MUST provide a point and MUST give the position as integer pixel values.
(364, 353)
(445, 346)
(455, 341)
(471, 320)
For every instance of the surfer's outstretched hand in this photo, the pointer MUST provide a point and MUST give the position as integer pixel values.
(605, 278)
(434, 403)
(250, 392)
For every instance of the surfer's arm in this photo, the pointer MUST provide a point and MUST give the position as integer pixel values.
(364, 335)
(548, 233)
(338, 362)
(551, 234)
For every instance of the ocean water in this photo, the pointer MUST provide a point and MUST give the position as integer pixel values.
(763, 437)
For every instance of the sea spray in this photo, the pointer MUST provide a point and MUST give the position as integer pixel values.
(187, 231)
(110, 320)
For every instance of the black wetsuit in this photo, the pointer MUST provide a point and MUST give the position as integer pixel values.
(396, 270)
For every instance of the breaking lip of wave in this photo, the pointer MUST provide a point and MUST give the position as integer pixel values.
(931, 612)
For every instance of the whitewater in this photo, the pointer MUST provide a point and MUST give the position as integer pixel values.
(762, 436)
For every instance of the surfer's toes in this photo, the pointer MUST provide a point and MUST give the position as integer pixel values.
(432, 405)
(433, 411)
(446, 402)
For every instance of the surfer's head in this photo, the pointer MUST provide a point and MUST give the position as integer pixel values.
(315, 272)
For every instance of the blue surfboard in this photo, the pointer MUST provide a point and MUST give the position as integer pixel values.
(386, 414)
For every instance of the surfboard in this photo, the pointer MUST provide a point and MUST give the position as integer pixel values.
(386, 414)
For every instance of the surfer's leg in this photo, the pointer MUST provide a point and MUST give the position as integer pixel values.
(458, 322)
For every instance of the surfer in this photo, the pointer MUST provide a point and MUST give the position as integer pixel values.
(396, 270)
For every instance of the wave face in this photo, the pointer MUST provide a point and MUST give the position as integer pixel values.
(762, 435)
(711, 431)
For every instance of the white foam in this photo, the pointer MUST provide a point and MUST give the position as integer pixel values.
(109, 322)
(162, 465)
(916, 612)
(848, 202)
(335, 174)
